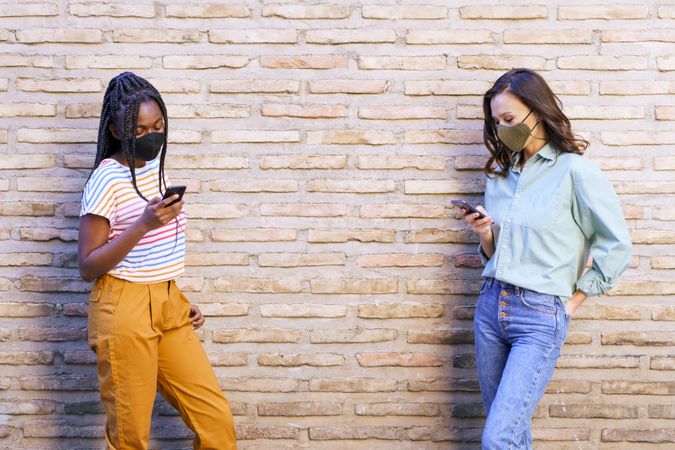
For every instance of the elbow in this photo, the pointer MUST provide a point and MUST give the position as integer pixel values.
(86, 273)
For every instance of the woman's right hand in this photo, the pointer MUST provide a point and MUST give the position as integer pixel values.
(480, 226)
(157, 214)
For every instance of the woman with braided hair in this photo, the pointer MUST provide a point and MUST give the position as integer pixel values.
(132, 242)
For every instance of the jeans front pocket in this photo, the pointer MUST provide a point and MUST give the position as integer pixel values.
(536, 301)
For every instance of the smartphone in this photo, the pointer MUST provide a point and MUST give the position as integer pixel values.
(180, 190)
(468, 207)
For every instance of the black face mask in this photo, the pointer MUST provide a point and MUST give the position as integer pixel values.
(148, 146)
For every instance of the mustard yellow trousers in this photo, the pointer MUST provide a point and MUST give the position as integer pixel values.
(143, 339)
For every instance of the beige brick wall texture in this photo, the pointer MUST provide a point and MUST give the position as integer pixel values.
(321, 143)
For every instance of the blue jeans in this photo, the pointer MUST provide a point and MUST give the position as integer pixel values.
(518, 335)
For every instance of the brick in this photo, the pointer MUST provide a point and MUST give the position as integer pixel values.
(211, 111)
(353, 286)
(569, 387)
(351, 186)
(443, 385)
(207, 162)
(664, 163)
(665, 63)
(352, 336)
(26, 358)
(304, 62)
(251, 432)
(58, 84)
(303, 210)
(261, 385)
(298, 360)
(344, 432)
(305, 110)
(27, 209)
(257, 285)
(237, 359)
(664, 112)
(489, 62)
(347, 36)
(663, 312)
(578, 36)
(623, 312)
(254, 86)
(111, 10)
(256, 335)
(52, 334)
(651, 338)
(602, 12)
(637, 87)
(401, 112)
(391, 359)
(594, 112)
(176, 36)
(431, 37)
(217, 259)
(304, 310)
(250, 186)
(26, 309)
(441, 337)
(16, 60)
(175, 85)
(299, 409)
(400, 162)
(599, 361)
(257, 136)
(79, 357)
(666, 12)
(345, 235)
(662, 411)
(397, 409)
(36, 161)
(26, 259)
(503, 12)
(584, 411)
(351, 137)
(50, 184)
(47, 234)
(59, 35)
(299, 11)
(401, 260)
(29, 9)
(197, 62)
(209, 211)
(442, 286)
(407, 310)
(397, 12)
(28, 407)
(351, 385)
(638, 388)
(662, 363)
(446, 87)
(108, 62)
(436, 236)
(56, 135)
(598, 62)
(326, 162)
(207, 11)
(658, 435)
(301, 259)
(224, 309)
(254, 235)
(443, 137)
(413, 187)
(402, 211)
(251, 36)
(401, 62)
(348, 86)
(648, 35)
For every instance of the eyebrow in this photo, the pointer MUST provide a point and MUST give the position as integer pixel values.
(502, 114)
(154, 123)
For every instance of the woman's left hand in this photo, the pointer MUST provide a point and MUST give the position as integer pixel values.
(196, 316)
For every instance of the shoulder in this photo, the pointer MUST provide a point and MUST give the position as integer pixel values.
(579, 166)
(108, 172)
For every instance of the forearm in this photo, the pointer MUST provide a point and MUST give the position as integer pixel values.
(104, 258)
(575, 301)
(487, 243)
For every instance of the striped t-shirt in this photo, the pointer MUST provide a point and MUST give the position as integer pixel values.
(160, 254)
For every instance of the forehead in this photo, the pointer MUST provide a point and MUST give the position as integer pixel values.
(149, 113)
(506, 102)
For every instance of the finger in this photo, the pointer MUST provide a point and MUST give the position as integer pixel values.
(481, 209)
(484, 221)
(154, 200)
(168, 200)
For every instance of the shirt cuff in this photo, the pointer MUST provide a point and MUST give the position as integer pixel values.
(592, 283)
(483, 257)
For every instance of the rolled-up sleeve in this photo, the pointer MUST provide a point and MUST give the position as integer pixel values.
(597, 212)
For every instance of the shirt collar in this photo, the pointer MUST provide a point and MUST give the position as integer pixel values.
(548, 152)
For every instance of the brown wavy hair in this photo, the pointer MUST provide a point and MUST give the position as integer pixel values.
(534, 92)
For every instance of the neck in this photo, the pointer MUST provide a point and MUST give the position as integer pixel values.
(119, 157)
(536, 142)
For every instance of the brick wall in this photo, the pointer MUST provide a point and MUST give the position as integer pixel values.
(321, 144)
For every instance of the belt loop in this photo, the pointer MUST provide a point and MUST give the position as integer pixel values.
(491, 281)
(517, 290)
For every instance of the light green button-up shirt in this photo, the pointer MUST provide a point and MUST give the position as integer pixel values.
(548, 218)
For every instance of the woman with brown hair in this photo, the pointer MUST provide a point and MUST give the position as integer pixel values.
(546, 209)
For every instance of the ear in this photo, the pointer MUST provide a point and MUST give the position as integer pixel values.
(113, 131)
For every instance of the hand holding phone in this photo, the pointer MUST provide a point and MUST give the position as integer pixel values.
(468, 208)
(180, 190)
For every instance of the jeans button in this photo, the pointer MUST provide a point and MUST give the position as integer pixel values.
(504, 293)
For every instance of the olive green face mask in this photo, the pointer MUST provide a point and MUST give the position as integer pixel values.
(516, 136)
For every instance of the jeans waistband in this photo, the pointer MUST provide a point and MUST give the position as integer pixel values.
(503, 285)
